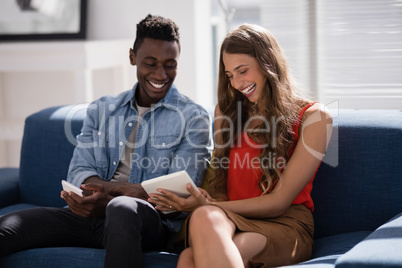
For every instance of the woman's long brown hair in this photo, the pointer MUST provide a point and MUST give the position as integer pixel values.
(280, 100)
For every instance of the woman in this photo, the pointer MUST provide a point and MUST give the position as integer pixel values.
(269, 142)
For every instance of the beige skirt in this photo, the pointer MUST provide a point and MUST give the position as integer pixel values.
(289, 237)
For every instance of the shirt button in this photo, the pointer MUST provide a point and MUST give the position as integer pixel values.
(114, 163)
(130, 124)
(121, 143)
(99, 133)
(163, 144)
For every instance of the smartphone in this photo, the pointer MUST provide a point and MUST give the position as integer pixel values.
(69, 187)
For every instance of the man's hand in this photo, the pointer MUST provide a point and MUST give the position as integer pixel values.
(115, 188)
(88, 206)
(98, 193)
(127, 189)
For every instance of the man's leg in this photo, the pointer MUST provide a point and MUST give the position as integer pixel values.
(47, 227)
(132, 226)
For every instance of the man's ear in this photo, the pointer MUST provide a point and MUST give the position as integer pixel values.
(132, 57)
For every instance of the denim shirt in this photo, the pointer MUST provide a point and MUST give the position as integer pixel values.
(173, 135)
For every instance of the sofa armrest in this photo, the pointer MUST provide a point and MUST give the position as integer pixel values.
(9, 186)
(382, 248)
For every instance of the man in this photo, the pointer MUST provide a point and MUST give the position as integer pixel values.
(149, 131)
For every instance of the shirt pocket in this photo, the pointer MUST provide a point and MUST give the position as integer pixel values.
(160, 152)
(99, 149)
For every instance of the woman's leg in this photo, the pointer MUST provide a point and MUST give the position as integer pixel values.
(210, 236)
(186, 259)
(249, 244)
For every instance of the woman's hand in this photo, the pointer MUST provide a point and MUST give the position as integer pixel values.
(206, 195)
(168, 201)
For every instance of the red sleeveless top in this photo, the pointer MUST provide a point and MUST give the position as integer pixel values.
(244, 171)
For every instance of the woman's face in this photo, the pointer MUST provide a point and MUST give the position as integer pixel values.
(245, 75)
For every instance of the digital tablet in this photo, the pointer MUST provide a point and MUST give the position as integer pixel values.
(174, 182)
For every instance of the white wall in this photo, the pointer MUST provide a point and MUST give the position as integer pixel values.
(25, 92)
(117, 19)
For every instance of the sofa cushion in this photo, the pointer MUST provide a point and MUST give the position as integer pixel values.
(15, 207)
(359, 184)
(328, 249)
(382, 248)
(47, 148)
(55, 257)
(9, 187)
(337, 244)
(72, 257)
(322, 262)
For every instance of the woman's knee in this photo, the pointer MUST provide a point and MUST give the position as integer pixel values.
(207, 217)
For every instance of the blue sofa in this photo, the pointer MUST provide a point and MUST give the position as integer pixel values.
(357, 191)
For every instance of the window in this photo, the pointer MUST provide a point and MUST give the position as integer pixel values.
(349, 51)
(360, 52)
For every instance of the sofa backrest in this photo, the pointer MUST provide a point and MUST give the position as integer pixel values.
(46, 152)
(359, 184)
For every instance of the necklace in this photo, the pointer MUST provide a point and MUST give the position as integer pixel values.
(255, 108)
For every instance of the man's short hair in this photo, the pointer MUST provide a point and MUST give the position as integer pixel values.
(156, 27)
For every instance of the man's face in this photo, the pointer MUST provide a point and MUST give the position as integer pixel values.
(156, 62)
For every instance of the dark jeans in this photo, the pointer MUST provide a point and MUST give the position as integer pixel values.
(130, 227)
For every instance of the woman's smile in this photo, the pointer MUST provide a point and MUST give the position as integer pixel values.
(248, 91)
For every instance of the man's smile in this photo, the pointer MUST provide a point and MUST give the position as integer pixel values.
(157, 85)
